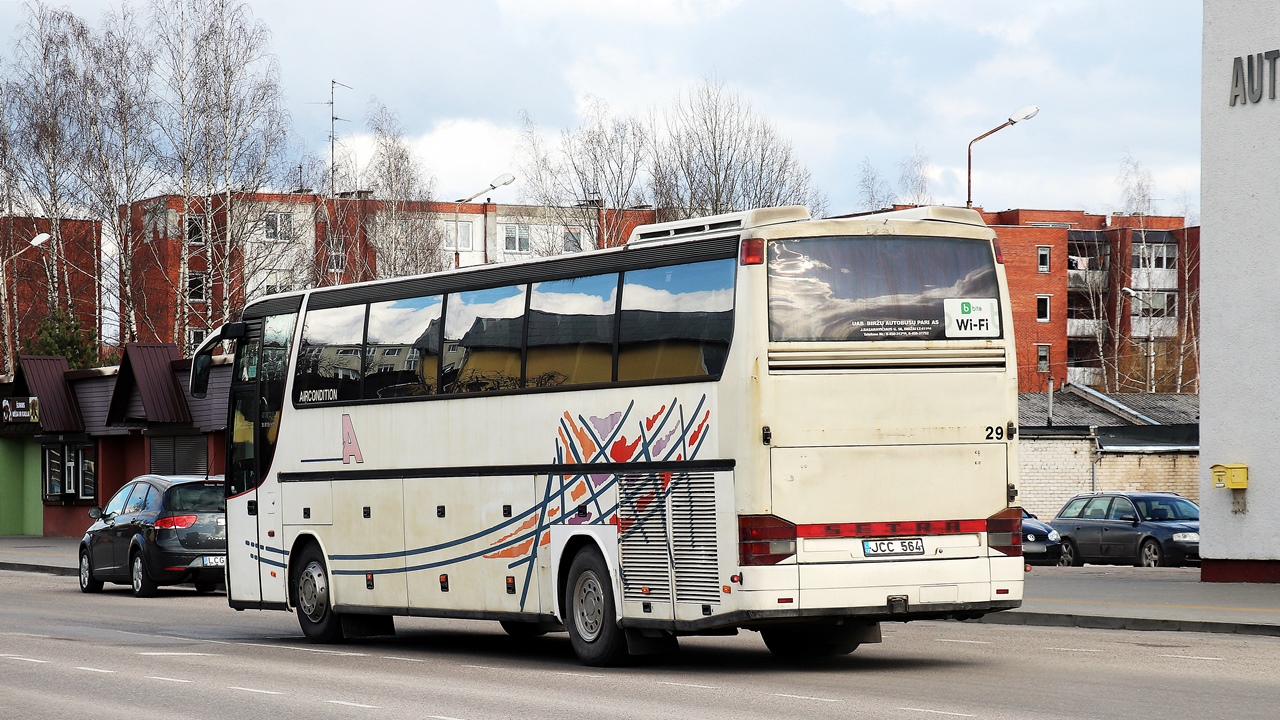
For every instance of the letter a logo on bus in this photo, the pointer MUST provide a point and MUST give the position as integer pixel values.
(350, 446)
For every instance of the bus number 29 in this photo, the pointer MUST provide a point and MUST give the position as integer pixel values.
(995, 432)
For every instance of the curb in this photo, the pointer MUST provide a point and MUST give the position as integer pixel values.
(46, 569)
(1103, 622)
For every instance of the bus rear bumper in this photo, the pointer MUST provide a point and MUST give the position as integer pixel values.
(756, 619)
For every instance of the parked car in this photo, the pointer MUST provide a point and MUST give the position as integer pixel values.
(1147, 529)
(158, 530)
(1041, 544)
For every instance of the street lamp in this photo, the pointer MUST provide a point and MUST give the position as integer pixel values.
(36, 241)
(503, 179)
(1023, 113)
(1151, 355)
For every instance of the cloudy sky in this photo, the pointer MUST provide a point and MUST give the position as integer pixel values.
(843, 81)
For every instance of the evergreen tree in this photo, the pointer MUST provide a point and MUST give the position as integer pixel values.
(62, 334)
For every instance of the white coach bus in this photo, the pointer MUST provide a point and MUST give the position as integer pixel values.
(750, 421)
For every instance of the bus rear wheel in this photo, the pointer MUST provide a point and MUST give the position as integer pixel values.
(810, 641)
(311, 593)
(589, 612)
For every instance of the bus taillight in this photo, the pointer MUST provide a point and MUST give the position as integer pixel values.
(765, 539)
(1004, 531)
(995, 245)
(752, 252)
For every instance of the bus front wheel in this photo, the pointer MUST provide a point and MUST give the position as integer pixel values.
(589, 612)
(311, 592)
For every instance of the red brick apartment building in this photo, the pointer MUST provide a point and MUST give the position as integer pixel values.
(25, 272)
(272, 242)
(1070, 276)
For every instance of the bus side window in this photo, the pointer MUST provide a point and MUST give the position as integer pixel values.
(403, 348)
(571, 331)
(483, 340)
(676, 321)
(330, 356)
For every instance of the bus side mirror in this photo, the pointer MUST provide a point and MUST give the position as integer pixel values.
(202, 361)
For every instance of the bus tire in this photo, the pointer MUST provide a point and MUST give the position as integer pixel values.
(807, 642)
(311, 590)
(589, 612)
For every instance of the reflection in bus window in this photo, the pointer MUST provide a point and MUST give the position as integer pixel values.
(676, 321)
(329, 367)
(277, 338)
(403, 347)
(839, 289)
(571, 331)
(483, 340)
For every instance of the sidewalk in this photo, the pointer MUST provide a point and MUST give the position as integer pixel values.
(1096, 596)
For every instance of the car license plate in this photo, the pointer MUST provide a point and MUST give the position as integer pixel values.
(215, 560)
(897, 546)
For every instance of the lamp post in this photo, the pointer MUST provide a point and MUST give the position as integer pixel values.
(1151, 355)
(1023, 113)
(36, 241)
(503, 179)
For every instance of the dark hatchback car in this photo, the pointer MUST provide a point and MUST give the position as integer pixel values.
(1040, 543)
(1145, 529)
(158, 530)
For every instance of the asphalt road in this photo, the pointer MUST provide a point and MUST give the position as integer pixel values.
(68, 655)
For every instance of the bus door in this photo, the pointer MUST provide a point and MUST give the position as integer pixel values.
(256, 557)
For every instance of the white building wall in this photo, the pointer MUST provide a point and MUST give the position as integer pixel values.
(1240, 156)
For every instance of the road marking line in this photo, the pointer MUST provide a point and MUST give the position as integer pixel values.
(576, 674)
(13, 634)
(481, 667)
(156, 677)
(937, 712)
(1149, 605)
(1191, 657)
(351, 704)
(805, 697)
(703, 687)
(1072, 649)
(442, 717)
(969, 642)
(177, 654)
(23, 659)
(89, 669)
(304, 649)
(393, 657)
(254, 690)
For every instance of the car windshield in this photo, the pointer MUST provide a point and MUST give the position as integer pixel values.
(197, 497)
(1167, 509)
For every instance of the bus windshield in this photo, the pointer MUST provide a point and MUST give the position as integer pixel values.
(859, 288)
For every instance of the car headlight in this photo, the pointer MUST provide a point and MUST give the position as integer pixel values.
(1054, 536)
(1186, 537)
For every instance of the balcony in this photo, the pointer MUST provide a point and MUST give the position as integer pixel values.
(1089, 376)
(1095, 280)
(1161, 327)
(1085, 328)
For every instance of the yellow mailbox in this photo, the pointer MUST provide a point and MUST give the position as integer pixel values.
(1234, 477)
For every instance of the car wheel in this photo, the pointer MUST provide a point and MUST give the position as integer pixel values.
(206, 587)
(311, 590)
(143, 585)
(1070, 557)
(809, 642)
(1150, 555)
(590, 615)
(87, 583)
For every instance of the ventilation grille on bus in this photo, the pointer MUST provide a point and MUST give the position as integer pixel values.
(802, 360)
(668, 526)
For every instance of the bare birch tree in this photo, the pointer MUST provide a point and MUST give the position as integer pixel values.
(713, 153)
(874, 192)
(407, 238)
(115, 122)
(913, 178)
(594, 169)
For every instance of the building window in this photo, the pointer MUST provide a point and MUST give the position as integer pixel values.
(391, 352)
(196, 336)
(337, 250)
(197, 287)
(279, 226)
(1042, 308)
(196, 229)
(1042, 255)
(573, 239)
(1042, 358)
(517, 238)
(457, 235)
(277, 282)
(1157, 303)
(70, 472)
(1155, 256)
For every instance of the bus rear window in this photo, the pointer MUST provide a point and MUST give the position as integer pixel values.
(858, 288)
